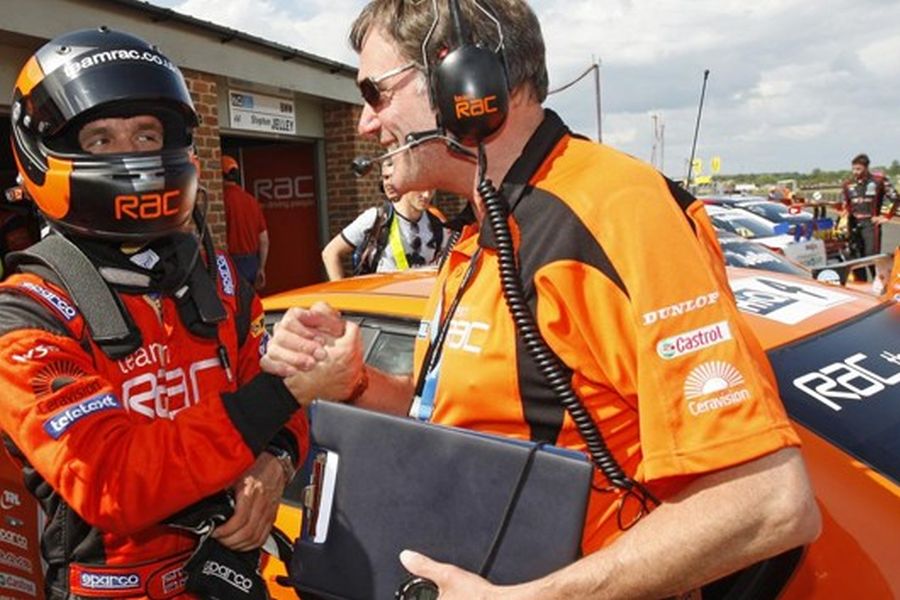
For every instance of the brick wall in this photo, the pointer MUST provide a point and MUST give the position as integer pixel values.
(348, 195)
(204, 91)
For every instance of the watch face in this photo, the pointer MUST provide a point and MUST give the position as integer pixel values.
(417, 588)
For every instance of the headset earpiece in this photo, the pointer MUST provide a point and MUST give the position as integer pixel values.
(469, 86)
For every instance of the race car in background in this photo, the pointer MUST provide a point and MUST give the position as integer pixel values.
(780, 213)
(783, 238)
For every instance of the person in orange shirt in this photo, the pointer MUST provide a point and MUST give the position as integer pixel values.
(245, 226)
(623, 271)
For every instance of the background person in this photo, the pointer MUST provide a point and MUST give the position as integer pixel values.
(245, 226)
(864, 196)
(404, 232)
(19, 226)
(605, 246)
(115, 434)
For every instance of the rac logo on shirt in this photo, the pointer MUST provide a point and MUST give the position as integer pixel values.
(468, 336)
(694, 340)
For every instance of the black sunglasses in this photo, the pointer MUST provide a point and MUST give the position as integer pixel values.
(370, 87)
(415, 259)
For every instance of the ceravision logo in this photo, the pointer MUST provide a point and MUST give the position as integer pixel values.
(714, 385)
(102, 581)
(694, 340)
(675, 310)
(61, 421)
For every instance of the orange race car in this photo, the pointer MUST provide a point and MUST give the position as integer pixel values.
(836, 353)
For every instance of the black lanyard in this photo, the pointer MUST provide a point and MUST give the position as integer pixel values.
(436, 346)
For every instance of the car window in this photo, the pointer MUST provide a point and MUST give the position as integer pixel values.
(392, 353)
(747, 225)
(752, 255)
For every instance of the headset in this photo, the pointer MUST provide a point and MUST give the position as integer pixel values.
(469, 86)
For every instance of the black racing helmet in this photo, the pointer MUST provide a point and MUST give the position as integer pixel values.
(92, 74)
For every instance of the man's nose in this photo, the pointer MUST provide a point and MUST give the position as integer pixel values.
(368, 124)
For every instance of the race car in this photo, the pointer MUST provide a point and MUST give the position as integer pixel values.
(780, 213)
(836, 354)
(728, 200)
(783, 238)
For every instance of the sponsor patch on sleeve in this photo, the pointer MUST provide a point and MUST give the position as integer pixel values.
(694, 340)
(17, 584)
(52, 299)
(225, 275)
(59, 423)
(714, 385)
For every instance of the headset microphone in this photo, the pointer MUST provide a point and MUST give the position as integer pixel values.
(362, 165)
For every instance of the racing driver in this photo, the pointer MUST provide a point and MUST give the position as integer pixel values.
(129, 349)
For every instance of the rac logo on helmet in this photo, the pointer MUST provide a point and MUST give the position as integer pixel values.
(147, 207)
(473, 107)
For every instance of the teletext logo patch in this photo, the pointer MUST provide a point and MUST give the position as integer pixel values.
(61, 421)
(694, 340)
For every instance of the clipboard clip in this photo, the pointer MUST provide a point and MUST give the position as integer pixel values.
(318, 496)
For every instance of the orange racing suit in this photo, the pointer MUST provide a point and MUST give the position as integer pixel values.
(111, 448)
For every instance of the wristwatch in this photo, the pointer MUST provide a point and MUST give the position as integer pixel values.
(285, 460)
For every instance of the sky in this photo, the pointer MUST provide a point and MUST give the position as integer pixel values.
(794, 84)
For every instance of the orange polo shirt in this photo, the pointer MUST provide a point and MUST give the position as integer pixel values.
(628, 285)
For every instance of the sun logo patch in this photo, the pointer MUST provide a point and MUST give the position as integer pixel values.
(711, 377)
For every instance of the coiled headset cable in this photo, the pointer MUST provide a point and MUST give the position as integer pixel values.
(545, 358)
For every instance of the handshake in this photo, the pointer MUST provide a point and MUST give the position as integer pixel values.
(318, 354)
